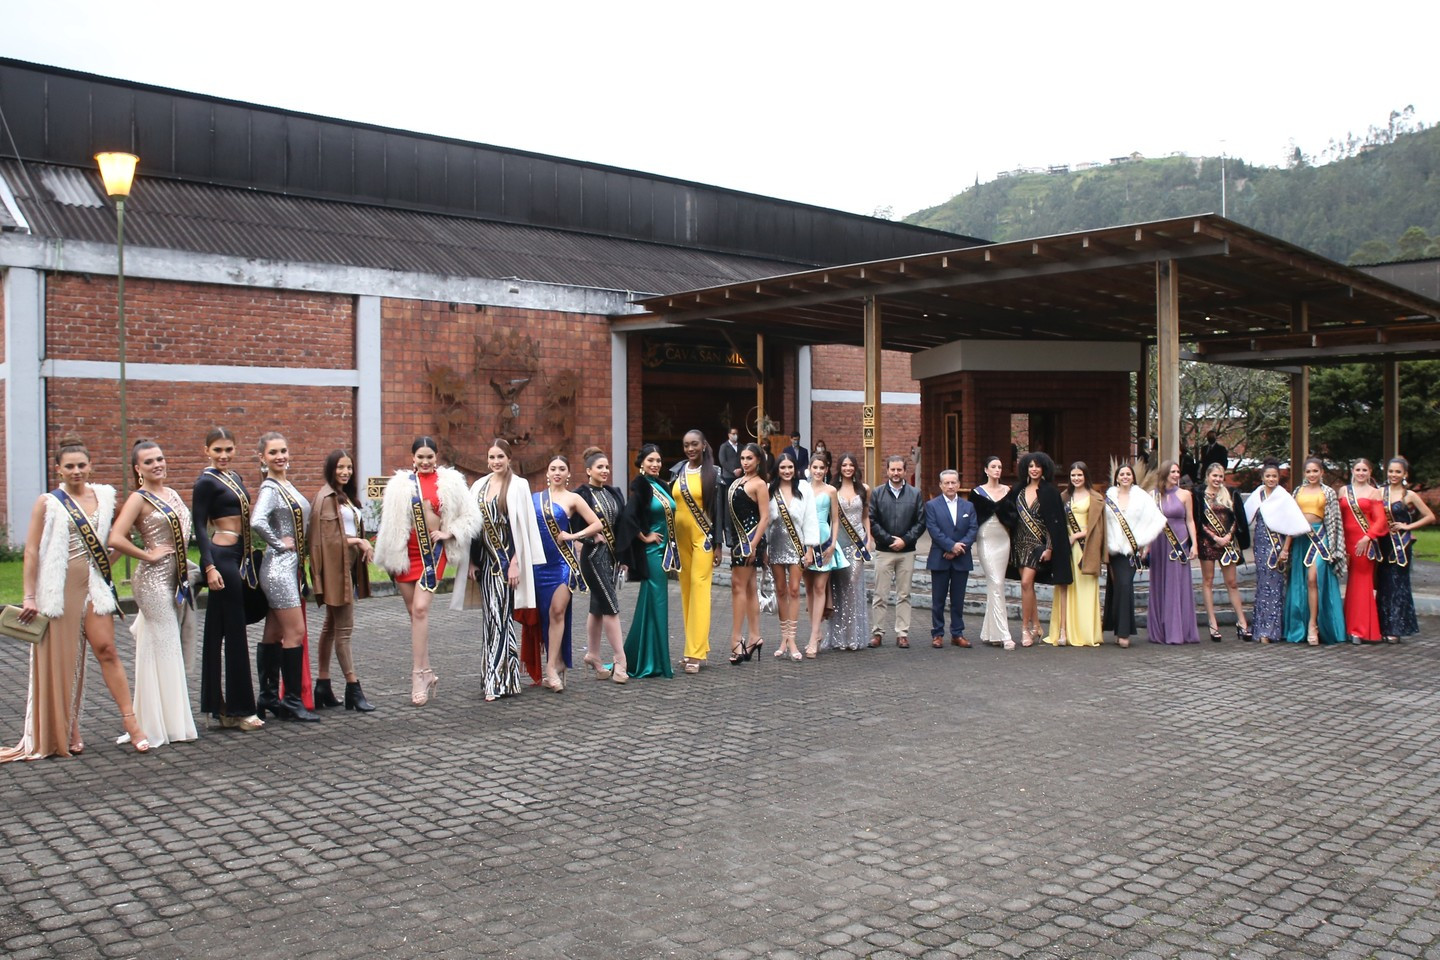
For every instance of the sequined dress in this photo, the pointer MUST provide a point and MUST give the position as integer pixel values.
(849, 624)
(1393, 598)
(274, 519)
(162, 694)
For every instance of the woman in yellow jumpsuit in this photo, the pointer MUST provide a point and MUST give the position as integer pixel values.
(695, 485)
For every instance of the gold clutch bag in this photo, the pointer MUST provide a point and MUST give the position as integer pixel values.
(11, 625)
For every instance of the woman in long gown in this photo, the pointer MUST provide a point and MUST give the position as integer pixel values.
(747, 514)
(1132, 522)
(1040, 524)
(993, 549)
(1085, 530)
(1405, 513)
(220, 508)
(65, 582)
(1363, 515)
(600, 561)
(558, 576)
(849, 627)
(695, 488)
(1276, 521)
(161, 584)
(1314, 613)
(647, 645)
(1223, 538)
(1172, 593)
(431, 501)
(792, 543)
(828, 558)
(498, 569)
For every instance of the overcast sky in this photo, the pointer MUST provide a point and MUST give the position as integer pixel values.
(851, 105)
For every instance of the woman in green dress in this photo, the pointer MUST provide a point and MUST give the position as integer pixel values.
(652, 510)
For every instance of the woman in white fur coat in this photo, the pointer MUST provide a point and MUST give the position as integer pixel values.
(63, 583)
(437, 498)
(498, 572)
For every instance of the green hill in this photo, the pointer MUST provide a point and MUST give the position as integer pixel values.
(1355, 209)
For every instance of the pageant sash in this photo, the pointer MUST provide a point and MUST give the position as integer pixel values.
(248, 573)
(1319, 547)
(789, 522)
(1272, 562)
(1125, 529)
(1230, 556)
(601, 500)
(1400, 540)
(1371, 551)
(1036, 530)
(98, 553)
(429, 548)
(297, 516)
(670, 558)
(702, 520)
(1177, 549)
(563, 547)
(742, 548)
(183, 594)
(1070, 520)
(857, 542)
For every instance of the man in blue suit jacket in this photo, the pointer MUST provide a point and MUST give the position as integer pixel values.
(952, 526)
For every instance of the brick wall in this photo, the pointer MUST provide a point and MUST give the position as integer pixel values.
(421, 337)
(838, 367)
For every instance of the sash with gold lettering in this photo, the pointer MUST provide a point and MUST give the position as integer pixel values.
(497, 556)
(742, 532)
(1033, 525)
(670, 558)
(1371, 551)
(183, 594)
(297, 514)
(602, 510)
(857, 542)
(1125, 529)
(1230, 556)
(248, 572)
(1319, 546)
(1400, 540)
(702, 519)
(1272, 562)
(98, 553)
(429, 548)
(789, 522)
(1177, 549)
(563, 547)
(1070, 520)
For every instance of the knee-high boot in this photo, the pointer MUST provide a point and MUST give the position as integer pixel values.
(267, 669)
(292, 664)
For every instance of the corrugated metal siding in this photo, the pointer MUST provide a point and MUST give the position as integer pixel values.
(201, 218)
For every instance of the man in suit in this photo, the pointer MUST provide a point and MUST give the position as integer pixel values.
(729, 456)
(801, 455)
(896, 522)
(1213, 452)
(952, 526)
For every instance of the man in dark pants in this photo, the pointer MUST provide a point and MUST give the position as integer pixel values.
(801, 455)
(1213, 452)
(896, 522)
(951, 524)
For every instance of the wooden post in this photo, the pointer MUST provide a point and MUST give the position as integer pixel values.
(870, 415)
(1142, 401)
(760, 432)
(1299, 397)
(1390, 430)
(1167, 360)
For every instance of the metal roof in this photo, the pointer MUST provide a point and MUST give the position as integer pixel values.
(1240, 292)
(67, 202)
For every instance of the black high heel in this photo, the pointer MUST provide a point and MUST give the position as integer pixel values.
(739, 655)
(1244, 634)
(355, 698)
(755, 649)
(324, 696)
(1215, 635)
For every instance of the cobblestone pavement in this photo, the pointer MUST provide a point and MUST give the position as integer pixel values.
(1215, 800)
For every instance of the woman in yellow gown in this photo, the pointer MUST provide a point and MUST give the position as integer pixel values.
(1080, 625)
(695, 487)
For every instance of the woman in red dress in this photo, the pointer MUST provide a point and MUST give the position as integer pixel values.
(1362, 510)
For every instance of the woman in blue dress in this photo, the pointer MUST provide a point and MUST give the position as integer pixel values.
(1274, 521)
(827, 557)
(1405, 512)
(652, 510)
(559, 575)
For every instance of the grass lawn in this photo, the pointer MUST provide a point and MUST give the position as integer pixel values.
(1427, 543)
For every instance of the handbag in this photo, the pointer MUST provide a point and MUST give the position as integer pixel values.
(256, 603)
(16, 629)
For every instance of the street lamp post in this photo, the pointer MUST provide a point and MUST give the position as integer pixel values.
(118, 172)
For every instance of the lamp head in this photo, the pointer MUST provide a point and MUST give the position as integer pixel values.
(118, 172)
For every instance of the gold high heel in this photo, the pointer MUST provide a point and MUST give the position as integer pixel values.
(142, 745)
(601, 672)
(421, 684)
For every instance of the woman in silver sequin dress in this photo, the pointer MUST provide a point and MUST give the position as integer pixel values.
(278, 505)
(162, 592)
(849, 625)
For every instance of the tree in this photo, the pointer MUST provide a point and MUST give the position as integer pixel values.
(1347, 405)
(1412, 244)
(1372, 251)
(1249, 409)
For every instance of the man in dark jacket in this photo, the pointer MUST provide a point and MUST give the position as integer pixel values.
(729, 457)
(801, 455)
(896, 522)
(952, 525)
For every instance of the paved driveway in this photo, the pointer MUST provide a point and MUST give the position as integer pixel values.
(1216, 800)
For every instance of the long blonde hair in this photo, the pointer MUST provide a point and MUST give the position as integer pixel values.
(1223, 496)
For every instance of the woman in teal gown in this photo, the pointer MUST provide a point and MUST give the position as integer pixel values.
(1314, 612)
(647, 645)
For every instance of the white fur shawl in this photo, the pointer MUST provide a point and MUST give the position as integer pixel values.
(55, 555)
(1281, 512)
(457, 516)
(524, 531)
(1144, 518)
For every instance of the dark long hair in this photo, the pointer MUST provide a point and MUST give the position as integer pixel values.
(759, 454)
(350, 490)
(859, 478)
(794, 478)
(1047, 468)
(1078, 465)
(500, 495)
(985, 465)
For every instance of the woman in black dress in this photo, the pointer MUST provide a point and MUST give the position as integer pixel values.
(1405, 512)
(1224, 538)
(746, 515)
(603, 559)
(1040, 524)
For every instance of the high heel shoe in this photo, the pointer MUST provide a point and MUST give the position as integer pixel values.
(420, 687)
(618, 675)
(755, 649)
(1243, 634)
(1215, 634)
(601, 671)
(324, 696)
(738, 654)
(141, 746)
(355, 698)
(1026, 637)
(552, 681)
(1313, 639)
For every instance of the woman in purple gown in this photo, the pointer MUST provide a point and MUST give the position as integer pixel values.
(1172, 594)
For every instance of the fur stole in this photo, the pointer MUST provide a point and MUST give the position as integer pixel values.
(55, 555)
(457, 516)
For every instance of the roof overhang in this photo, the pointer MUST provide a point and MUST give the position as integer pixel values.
(1246, 298)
